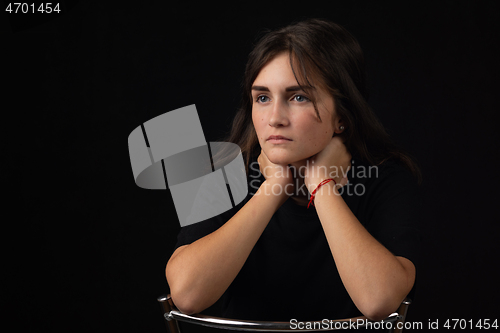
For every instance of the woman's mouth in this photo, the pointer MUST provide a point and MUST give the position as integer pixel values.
(277, 139)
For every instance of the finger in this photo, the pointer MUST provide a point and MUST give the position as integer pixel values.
(344, 181)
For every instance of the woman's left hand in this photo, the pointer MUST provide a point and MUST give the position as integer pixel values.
(332, 162)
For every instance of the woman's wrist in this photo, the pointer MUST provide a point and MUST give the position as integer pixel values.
(327, 189)
(327, 186)
(276, 191)
(312, 184)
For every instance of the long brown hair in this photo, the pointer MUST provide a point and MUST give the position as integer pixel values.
(324, 51)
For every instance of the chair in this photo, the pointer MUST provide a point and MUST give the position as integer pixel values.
(393, 323)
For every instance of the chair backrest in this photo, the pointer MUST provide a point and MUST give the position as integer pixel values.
(393, 323)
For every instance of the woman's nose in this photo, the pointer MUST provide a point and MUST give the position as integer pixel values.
(279, 115)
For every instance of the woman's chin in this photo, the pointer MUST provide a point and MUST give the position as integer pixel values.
(281, 156)
(280, 161)
(285, 160)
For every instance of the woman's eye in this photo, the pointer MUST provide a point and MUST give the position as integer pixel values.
(300, 98)
(262, 99)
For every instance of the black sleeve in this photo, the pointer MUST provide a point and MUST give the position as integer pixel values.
(395, 210)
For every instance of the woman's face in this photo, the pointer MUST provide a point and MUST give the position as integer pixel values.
(281, 108)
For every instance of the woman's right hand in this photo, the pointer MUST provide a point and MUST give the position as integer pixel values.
(279, 177)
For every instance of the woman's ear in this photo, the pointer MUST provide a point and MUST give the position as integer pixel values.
(338, 128)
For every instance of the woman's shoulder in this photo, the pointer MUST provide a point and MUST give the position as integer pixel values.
(389, 171)
(388, 196)
(382, 183)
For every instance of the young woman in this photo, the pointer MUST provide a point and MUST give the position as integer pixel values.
(330, 228)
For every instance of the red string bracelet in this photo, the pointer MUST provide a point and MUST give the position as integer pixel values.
(319, 185)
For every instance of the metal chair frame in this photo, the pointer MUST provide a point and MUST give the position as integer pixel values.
(172, 316)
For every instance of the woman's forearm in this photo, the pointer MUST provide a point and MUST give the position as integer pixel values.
(199, 273)
(376, 280)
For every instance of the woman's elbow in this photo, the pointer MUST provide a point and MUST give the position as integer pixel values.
(181, 298)
(379, 309)
(184, 304)
(377, 313)
(182, 293)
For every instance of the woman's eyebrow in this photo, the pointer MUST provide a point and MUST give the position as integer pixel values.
(260, 88)
(291, 88)
(294, 88)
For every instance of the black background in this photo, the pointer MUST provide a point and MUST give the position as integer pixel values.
(85, 248)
